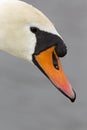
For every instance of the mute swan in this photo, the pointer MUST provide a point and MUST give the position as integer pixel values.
(27, 33)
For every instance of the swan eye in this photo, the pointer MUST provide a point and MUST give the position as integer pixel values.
(34, 29)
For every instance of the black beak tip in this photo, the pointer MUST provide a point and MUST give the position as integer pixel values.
(73, 99)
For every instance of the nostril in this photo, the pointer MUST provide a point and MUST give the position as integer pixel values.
(61, 50)
(55, 63)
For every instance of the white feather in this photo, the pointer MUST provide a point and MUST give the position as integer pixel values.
(16, 17)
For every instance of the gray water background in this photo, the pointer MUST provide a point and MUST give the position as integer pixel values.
(28, 101)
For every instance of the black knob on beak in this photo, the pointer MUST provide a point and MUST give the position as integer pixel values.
(61, 49)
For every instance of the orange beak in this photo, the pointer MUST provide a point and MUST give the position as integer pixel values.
(49, 63)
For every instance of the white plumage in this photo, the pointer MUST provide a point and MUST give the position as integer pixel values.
(16, 17)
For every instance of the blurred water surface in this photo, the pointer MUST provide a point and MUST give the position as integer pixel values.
(28, 101)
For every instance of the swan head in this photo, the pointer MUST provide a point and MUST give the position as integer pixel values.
(27, 33)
